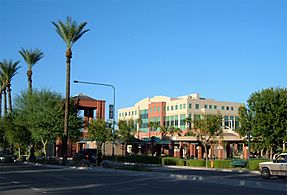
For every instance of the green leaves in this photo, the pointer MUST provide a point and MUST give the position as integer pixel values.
(99, 132)
(266, 116)
(31, 56)
(70, 31)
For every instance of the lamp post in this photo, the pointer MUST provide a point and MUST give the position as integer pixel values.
(114, 102)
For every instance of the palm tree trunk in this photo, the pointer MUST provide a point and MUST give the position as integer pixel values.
(1, 102)
(29, 75)
(67, 102)
(9, 98)
(5, 102)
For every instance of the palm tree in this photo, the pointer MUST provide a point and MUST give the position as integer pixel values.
(70, 32)
(9, 70)
(174, 130)
(163, 131)
(31, 57)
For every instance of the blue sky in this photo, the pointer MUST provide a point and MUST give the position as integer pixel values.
(221, 49)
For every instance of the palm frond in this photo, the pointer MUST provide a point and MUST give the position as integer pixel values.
(31, 56)
(70, 31)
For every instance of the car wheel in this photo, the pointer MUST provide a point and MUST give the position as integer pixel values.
(265, 173)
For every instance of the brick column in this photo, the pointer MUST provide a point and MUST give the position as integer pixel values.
(192, 149)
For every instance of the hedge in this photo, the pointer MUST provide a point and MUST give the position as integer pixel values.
(253, 164)
(222, 163)
(136, 159)
(195, 163)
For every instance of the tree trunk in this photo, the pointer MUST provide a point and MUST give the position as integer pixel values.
(0, 101)
(19, 152)
(206, 155)
(29, 75)
(9, 98)
(67, 102)
(5, 102)
(44, 148)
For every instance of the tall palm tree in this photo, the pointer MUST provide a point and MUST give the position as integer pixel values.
(1, 93)
(70, 32)
(31, 57)
(9, 70)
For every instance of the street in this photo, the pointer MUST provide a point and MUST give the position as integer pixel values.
(31, 179)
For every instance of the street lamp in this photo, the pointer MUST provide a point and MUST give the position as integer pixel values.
(114, 101)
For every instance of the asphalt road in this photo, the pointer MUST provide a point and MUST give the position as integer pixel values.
(27, 179)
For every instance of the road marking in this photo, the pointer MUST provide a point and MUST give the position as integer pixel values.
(35, 189)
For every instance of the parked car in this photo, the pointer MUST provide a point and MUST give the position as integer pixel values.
(87, 154)
(278, 167)
(7, 157)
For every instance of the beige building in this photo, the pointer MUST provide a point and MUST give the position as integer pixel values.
(169, 111)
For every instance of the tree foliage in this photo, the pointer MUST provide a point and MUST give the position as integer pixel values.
(100, 132)
(265, 115)
(126, 130)
(42, 113)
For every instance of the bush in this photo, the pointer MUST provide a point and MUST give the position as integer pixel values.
(195, 163)
(136, 159)
(253, 164)
(222, 163)
(169, 161)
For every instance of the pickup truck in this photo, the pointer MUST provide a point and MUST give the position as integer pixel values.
(278, 167)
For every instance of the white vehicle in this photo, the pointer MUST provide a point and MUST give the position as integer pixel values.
(276, 168)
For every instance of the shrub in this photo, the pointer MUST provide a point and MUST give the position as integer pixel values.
(137, 159)
(169, 161)
(195, 163)
(222, 163)
(253, 164)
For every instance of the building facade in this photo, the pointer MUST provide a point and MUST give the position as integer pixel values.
(167, 111)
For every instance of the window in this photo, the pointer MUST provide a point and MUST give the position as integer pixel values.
(183, 106)
(232, 108)
(120, 114)
(215, 107)
(189, 106)
(227, 107)
(176, 107)
(222, 108)
(135, 112)
(171, 108)
(129, 113)
(126, 114)
(132, 112)
(180, 106)
(210, 106)
(154, 109)
(197, 106)
(158, 109)
(167, 108)
(205, 106)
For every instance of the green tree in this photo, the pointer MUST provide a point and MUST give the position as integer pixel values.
(9, 70)
(163, 131)
(126, 130)
(31, 57)
(265, 116)
(174, 131)
(16, 134)
(208, 128)
(41, 112)
(70, 32)
(100, 132)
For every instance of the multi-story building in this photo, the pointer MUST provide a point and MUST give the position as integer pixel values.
(167, 111)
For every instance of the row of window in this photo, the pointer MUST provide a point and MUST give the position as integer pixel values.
(176, 107)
